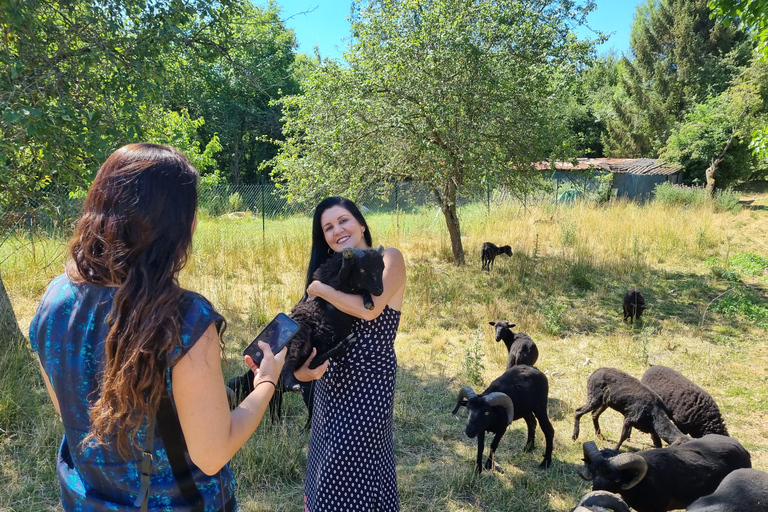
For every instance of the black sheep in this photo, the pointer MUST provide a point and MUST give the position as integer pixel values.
(520, 346)
(742, 490)
(489, 252)
(633, 304)
(668, 478)
(692, 409)
(641, 407)
(520, 392)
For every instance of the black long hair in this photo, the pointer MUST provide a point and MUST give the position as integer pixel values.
(321, 251)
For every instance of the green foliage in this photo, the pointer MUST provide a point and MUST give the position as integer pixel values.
(680, 56)
(449, 94)
(744, 302)
(751, 13)
(472, 364)
(681, 195)
(179, 130)
(717, 132)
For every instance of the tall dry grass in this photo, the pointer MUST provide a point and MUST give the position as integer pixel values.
(563, 285)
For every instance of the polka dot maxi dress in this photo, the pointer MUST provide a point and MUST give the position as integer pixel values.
(351, 463)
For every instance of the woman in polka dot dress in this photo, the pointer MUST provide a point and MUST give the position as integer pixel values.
(351, 464)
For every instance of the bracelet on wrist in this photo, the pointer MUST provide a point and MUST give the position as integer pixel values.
(263, 381)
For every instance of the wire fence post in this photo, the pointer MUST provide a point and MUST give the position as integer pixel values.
(263, 212)
(397, 206)
(488, 194)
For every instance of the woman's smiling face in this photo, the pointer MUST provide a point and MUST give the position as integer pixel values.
(341, 229)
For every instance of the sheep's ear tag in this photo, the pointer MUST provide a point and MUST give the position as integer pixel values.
(348, 252)
(380, 249)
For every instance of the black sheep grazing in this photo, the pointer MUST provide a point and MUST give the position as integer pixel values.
(692, 409)
(742, 490)
(668, 478)
(321, 325)
(641, 407)
(520, 346)
(633, 304)
(520, 392)
(490, 251)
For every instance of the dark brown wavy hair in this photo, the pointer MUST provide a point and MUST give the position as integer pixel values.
(136, 233)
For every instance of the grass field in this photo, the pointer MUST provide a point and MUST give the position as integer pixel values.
(704, 274)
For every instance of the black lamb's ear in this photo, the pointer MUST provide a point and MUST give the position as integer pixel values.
(380, 249)
(348, 253)
(346, 263)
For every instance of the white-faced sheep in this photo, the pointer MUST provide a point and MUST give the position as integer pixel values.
(633, 304)
(692, 409)
(641, 407)
(668, 478)
(742, 490)
(520, 392)
(489, 252)
(520, 346)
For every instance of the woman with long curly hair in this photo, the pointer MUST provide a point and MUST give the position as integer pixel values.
(132, 361)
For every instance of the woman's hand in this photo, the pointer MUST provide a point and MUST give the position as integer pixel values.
(305, 374)
(270, 367)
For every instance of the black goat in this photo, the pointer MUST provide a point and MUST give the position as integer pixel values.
(692, 409)
(520, 346)
(742, 490)
(520, 392)
(489, 252)
(641, 407)
(601, 501)
(668, 478)
(633, 304)
(321, 325)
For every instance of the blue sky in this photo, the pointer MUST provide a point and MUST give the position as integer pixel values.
(327, 27)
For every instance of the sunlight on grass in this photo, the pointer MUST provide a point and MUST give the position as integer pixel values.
(562, 285)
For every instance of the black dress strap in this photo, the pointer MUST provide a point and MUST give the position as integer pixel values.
(176, 448)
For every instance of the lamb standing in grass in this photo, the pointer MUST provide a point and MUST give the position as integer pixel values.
(641, 407)
(520, 346)
(489, 252)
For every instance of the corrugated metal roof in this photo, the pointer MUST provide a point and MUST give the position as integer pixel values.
(647, 166)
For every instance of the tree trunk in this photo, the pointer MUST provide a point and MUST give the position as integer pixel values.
(9, 327)
(710, 174)
(447, 202)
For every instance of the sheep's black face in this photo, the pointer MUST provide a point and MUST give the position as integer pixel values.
(479, 416)
(503, 328)
(368, 273)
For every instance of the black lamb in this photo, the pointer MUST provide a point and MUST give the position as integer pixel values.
(520, 392)
(633, 304)
(641, 407)
(489, 252)
(692, 409)
(520, 346)
(742, 490)
(668, 478)
(321, 324)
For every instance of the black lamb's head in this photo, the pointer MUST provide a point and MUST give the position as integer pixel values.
(355, 271)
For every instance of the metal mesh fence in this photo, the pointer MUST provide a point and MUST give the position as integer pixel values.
(52, 213)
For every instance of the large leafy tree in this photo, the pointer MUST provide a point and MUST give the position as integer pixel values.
(454, 95)
(234, 93)
(76, 76)
(712, 141)
(680, 57)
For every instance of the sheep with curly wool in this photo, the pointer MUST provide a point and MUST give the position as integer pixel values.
(692, 409)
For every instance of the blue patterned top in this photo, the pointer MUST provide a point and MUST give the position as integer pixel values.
(68, 333)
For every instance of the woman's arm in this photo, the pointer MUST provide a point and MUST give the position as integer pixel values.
(49, 388)
(352, 304)
(212, 432)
